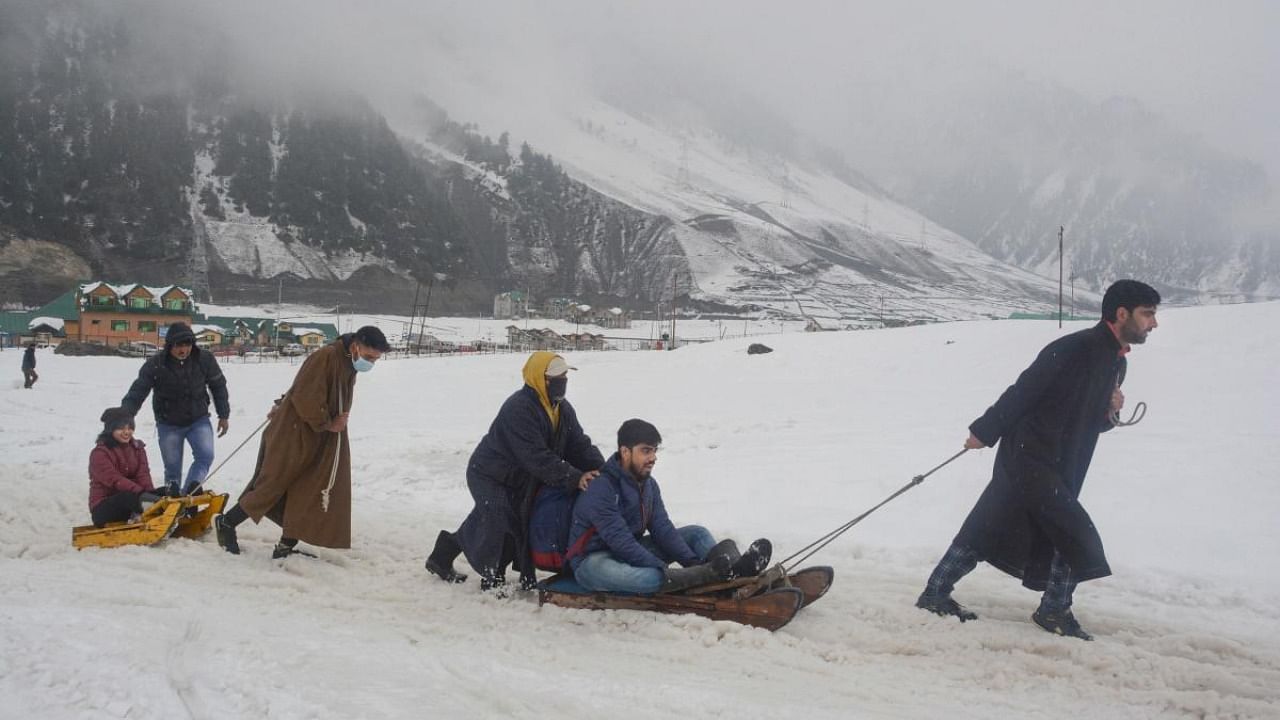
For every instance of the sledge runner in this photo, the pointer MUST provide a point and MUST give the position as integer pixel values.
(1029, 521)
(535, 441)
(302, 481)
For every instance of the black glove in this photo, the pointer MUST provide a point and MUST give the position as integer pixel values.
(162, 491)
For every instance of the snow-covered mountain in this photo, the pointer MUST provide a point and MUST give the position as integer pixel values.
(748, 228)
(188, 173)
(623, 191)
(1005, 160)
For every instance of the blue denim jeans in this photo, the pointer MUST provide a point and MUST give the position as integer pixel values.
(602, 571)
(199, 435)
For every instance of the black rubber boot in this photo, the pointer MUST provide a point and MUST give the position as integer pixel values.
(496, 586)
(754, 560)
(727, 548)
(945, 606)
(715, 570)
(284, 548)
(440, 561)
(1060, 623)
(226, 533)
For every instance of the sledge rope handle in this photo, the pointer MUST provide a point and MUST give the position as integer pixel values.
(337, 455)
(829, 537)
(1139, 412)
(228, 458)
(241, 445)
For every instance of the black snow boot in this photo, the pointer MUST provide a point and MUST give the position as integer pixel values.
(286, 547)
(440, 561)
(1060, 623)
(226, 533)
(945, 606)
(715, 570)
(727, 548)
(496, 586)
(754, 560)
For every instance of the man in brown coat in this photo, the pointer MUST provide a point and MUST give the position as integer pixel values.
(303, 478)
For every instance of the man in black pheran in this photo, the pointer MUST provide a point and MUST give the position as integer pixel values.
(1029, 521)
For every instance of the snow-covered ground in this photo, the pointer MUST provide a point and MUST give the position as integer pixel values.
(787, 445)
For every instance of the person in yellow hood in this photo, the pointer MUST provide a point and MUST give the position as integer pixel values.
(536, 440)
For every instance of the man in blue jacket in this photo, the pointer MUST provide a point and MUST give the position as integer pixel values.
(1029, 521)
(535, 441)
(180, 379)
(609, 549)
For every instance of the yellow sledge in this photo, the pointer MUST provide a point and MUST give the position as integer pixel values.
(189, 516)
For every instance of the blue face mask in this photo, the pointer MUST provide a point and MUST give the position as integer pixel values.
(360, 364)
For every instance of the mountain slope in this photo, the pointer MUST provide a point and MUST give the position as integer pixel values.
(150, 170)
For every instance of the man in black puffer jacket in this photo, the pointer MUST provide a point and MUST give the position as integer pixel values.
(180, 379)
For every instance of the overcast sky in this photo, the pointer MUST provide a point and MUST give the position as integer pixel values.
(1210, 68)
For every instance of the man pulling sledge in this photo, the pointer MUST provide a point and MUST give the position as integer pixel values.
(622, 540)
(1029, 521)
(303, 477)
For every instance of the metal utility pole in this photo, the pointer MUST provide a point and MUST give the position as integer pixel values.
(413, 317)
(672, 344)
(1059, 277)
(423, 308)
(422, 330)
(279, 299)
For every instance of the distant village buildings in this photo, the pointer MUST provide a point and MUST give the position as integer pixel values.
(511, 304)
(547, 339)
(103, 313)
(121, 314)
(515, 304)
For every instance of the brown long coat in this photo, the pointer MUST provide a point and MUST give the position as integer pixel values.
(295, 459)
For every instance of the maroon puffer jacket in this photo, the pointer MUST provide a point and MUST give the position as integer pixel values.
(122, 468)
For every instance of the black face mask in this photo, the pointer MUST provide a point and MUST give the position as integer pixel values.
(556, 387)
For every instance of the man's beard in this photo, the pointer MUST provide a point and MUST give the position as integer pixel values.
(639, 471)
(1132, 334)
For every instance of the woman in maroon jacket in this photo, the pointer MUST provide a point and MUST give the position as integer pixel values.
(118, 470)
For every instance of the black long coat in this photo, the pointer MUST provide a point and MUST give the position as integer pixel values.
(1047, 424)
(521, 452)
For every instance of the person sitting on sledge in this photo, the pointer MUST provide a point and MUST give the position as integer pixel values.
(608, 546)
(119, 474)
(535, 441)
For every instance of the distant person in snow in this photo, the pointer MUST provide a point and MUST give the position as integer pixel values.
(29, 375)
(534, 441)
(1029, 521)
(622, 540)
(302, 481)
(119, 474)
(180, 379)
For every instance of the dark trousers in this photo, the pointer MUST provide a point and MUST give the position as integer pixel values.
(117, 508)
(30, 376)
(960, 561)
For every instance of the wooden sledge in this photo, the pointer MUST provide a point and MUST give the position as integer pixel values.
(812, 581)
(189, 516)
(768, 600)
